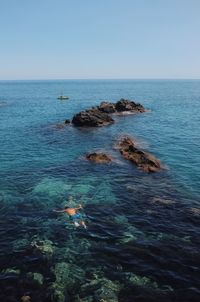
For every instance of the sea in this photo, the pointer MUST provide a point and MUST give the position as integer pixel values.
(142, 238)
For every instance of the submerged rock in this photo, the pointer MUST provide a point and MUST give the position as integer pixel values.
(36, 277)
(100, 158)
(25, 298)
(59, 295)
(128, 237)
(60, 126)
(51, 189)
(80, 189)
(195, 211)
(101, 289)
(163, 201)
(68, 275)
(144, 160)
(137, 280)
(21, 244)
(121, 219)
(45, 247)
(11, 271)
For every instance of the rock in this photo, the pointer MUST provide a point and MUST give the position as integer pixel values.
(45, 247)
(195, 211)
(11, 271)
(100, 115)
(60, 126)
(144, 160)
(107, 107)
(68, 275)
(20, 245)
(126, 105)
(162, 201)
(58, 295)
(37, 277)
(102, 289)
(92, 118)
(100, 158)
(25, 298)
(67, 121)
(136, 280)
(67, 278)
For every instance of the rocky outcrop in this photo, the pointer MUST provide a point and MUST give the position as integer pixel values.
(100, 158)
(144, 160)
(100, 115)
(67, 121)
(126, 105)
(107, 107)
(92, 118)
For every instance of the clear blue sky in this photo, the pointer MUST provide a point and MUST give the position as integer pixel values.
(64, 39)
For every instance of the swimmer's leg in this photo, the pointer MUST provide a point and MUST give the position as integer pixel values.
(76, 224)
(83, 224)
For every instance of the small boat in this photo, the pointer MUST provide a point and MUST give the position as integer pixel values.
(63, 97)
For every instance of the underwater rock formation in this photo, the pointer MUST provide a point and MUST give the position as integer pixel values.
(60, 126)
(11, 271)
(144, 160)
(99, 115)
(136, 280)
(68, 277)
(44, 247)
(68, 274)
(100, 289)
(163, 201)
(100, 158)
(25, 298)
(36, 277)
(195, 211)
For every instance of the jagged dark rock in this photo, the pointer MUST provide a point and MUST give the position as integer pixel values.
(100, 158)
(126, 105)
(92, 118)
(144, 160)
(100, 115)
(107, 107)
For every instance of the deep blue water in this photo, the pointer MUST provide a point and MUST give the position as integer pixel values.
(139, 225)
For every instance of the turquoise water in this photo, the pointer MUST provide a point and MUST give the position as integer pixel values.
(142, 236)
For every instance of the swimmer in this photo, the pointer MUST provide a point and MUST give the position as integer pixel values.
(74, 215)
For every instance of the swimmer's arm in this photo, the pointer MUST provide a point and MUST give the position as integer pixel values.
(80, 207)
(59, 211)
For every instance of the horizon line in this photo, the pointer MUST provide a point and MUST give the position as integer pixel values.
(100, 79)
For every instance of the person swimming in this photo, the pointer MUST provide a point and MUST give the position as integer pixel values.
(74, 215)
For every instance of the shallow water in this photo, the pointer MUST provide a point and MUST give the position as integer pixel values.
(142, 241)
